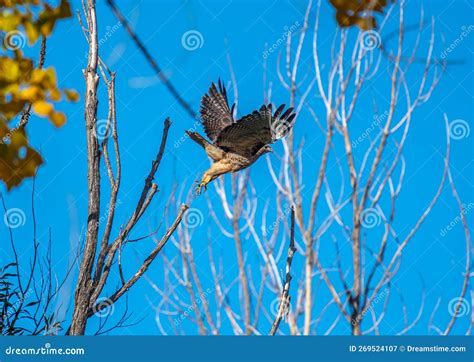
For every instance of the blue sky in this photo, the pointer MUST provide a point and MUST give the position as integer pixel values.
(240, 30)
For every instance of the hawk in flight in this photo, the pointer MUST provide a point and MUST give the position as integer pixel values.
(236, 145)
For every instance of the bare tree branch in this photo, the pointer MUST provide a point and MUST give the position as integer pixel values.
(151, 60)
(285, 294)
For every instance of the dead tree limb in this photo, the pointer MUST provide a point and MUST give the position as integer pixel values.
(84, 283)
(171, 88)
(94, 272)
(285, 294)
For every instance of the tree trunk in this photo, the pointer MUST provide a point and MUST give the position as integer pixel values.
(82, 299)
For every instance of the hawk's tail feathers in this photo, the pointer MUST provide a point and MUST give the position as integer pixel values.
(196, 137)
(214, 152)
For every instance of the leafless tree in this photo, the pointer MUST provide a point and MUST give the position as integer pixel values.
(375, 183)
(100, 255)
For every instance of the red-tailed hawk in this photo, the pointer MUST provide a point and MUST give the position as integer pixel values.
(237, 144)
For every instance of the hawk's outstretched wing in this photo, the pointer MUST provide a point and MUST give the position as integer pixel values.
(215, 112)
(255, 130)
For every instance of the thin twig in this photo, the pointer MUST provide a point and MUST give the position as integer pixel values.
(150, 60)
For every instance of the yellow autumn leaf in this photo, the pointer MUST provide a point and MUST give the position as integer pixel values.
(71, 95)
(26, 65)
(4, 130)
(12, 88)
(47, 27)
(30, 94)
(9, 69)
(23, 84)
(64, 10)
(37, 76)
(42, 108)
(9, 22)
(11, 109)
(55, 95)
(14, 167)
(18, 140)
(50, 77)
(31, 32)
(58, 118)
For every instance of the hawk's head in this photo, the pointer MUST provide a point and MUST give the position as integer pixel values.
(268, 148)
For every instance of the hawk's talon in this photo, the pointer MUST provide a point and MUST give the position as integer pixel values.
(199, 187)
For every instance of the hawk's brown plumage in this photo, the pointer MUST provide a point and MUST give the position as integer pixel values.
(236, 145)
(215, 112)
